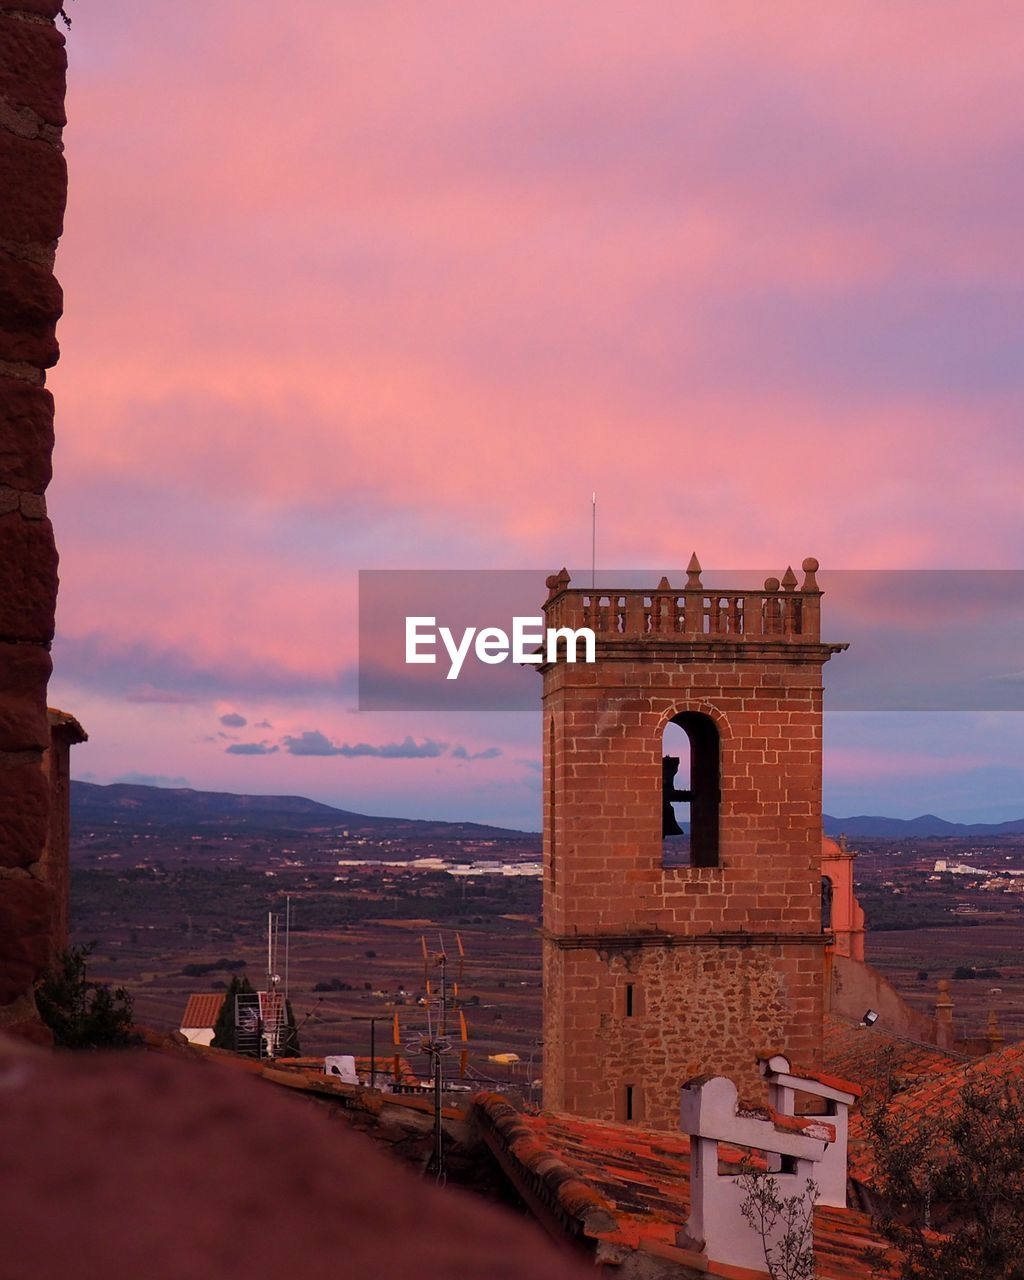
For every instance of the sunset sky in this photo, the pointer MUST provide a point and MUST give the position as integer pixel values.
(363, 285)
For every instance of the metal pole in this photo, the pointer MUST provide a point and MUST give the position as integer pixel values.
(438, 1128)
(287, 939)
(593, 540)
(372, 1020)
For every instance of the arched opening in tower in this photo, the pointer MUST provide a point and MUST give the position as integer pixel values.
(691, 791)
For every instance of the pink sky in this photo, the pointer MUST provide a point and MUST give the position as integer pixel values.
(397, 285)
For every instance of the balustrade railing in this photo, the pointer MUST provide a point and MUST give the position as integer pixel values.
(778, 612)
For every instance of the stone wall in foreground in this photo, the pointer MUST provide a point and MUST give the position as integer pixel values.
(33, 189)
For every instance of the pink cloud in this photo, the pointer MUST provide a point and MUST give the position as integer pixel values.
(400, 285)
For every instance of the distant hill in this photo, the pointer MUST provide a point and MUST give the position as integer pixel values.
(132, 804)
(867, 827)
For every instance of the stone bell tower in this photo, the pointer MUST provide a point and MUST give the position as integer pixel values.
(655, 973)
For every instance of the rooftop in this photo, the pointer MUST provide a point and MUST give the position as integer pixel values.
(874, 1057)
(616, 1188)
(203, 1009)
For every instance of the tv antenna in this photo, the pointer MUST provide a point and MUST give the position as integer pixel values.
(441, 1001)
(271, 1021)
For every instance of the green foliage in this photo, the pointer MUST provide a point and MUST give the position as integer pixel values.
(213, 966)
(224, 1027)
(784, 1224)
(83, 1014)
(950, 1184)
(886, 910)
(963, 972)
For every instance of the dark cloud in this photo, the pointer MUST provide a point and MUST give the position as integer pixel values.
(315, 743)
(263, 724)
(233, 720)
(488, 753)
(155, 673)
(251, 749)
(310, 743)
(151, 780)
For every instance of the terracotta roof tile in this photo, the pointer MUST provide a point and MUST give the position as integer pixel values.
(934, 1091)
(873, 1057)
(641, 1181)
(203, 1009)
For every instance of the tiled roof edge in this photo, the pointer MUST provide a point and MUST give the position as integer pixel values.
(566, 1189)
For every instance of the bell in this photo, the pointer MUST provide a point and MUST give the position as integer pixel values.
(670, 794)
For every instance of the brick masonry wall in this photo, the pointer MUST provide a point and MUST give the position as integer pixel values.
(724, 961)
(33, 187)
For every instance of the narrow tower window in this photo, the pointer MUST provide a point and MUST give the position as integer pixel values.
(826, 903)
(691, 791)
(629, 999)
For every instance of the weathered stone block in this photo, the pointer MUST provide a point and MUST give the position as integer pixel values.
(28, 579)
(33, 65)
(41, 8)
(31, 302)
(26, 907)
(24, 671)
(24, 814)
(33, 178)
(26, 435)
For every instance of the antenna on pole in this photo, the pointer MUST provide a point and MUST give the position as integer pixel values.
(287, 939)
(441, 1002)
(593, 540)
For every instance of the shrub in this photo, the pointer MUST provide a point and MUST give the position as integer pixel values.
(950, 1184)
(83, 1014)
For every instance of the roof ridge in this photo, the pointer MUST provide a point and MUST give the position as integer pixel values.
(905, 1039)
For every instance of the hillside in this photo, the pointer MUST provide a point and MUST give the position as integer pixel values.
(130, 804)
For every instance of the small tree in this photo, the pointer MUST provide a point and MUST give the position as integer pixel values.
(949, 1184)
(83, 1014)
(224, 1027)
(785, 1224)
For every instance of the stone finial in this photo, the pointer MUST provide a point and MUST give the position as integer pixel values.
(771, 584)
(810, 567)
(944, 1016)
(789, 579)
(693, 581)
(557, 582)
(994, 1037)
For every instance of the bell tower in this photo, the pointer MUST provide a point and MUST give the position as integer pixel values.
(683, 930)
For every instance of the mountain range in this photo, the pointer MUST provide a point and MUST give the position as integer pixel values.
(133, 804)
(124, 802)
(868, 826)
